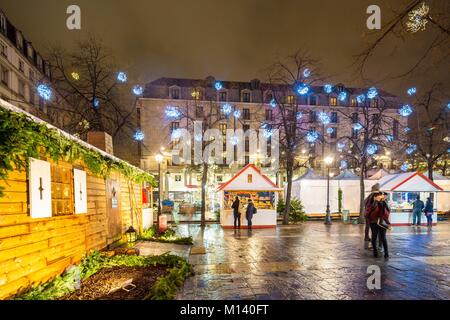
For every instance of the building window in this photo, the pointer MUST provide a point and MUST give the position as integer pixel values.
(174, 125)
(355, 117)
(334, 117)
(19, 39)
(5, 76)
(312, 116)
(3, 23)
(31, 76)
(290, 99)
(39, 62)
(222, 96)
(269, 97)
(395, 126)
(199, 112)
(32, 96)
(246, 114)
(62, 190)
(245, 127)
(178, 177)
(333, 134)
(21, 88)
(374, 103)
(4, 49)
(313, 100)
(223, 128)
(269, 115)
(353, 102)
(247, 145)
(21, 66)
(249, 178)
(174, 93)
(246, 97)
(376, 122)
(333, 101)
(354, 133)
(196, 94)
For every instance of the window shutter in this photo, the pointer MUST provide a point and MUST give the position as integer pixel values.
(40, 189)
(80, 190)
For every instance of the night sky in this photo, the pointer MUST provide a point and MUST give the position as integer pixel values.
(231, 40)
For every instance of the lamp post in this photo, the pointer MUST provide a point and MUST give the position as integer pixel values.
(328, 161)
(159, 158)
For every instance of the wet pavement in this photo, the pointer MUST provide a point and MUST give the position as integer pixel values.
(315, 261)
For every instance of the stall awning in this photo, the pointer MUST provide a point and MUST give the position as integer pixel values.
(408, 182)
(249, 178)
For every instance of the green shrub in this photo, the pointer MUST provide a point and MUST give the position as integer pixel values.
(297, 212)
(169, 236)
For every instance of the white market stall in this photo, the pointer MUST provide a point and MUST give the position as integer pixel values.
(443, 198)
(403, 189)
(250, 182)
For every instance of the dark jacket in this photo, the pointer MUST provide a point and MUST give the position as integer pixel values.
(250, 211)
(418, 205)
(428, 206)
(235, 207)
(379, 209)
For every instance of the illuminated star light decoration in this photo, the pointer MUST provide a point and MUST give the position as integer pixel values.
(44, 91)
(344, 164)
(75, 75)
(417, 18)
(303, 89)
(198, 137)
(357, 126)
(411, 91)
(342, 96)
(237, 114)
(404, 167)
(267, 133)
(299, 115)
(122, 77)
(372, 149)
(172, 112)
(306, 73)
(234, 140)
(405, 111)
(411, 149)
(312, 136)
(176, 134)
(324, 118)
(389, 138)
(328, 88)
(138, 90)
(96, 103)
(448, 106)
(407, 129)
(330, 130)
(340, 146)
(360, 98)
(139, 135)
(372, 93)
(218, 85)
(273, 103)
(227, 108)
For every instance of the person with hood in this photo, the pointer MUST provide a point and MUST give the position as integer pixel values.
(249, 212)
(429, 211)
(236, 206)
(367, 203)
(418, 206)
(378, 214)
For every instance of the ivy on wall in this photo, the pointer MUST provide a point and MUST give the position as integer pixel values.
(22, 138)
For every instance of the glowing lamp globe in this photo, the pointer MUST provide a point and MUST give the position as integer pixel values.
(138, 90)
(328, 160)
(122, 77)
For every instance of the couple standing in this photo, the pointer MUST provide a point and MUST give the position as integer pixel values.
(419, 207)
(237, 207)
(377, 219)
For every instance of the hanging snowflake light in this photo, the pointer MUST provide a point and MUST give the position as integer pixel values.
(176, 134)
(342, 96)
(330, 130)
(324, 118)
(411, 149)
(122, 77)
(360, 98)
(267, 133)
(138, 90)
(303, 89)
(218, 85)
(237, 114)
(75, 75)
(172, 112)
(273, 103)
(299, 115)
(234, 140)
(328, 88)
(198, 137)
(407, 130)
(344, 164)
(312, 136)
(340, 146)
(405, 111)
(44, 91)
(138, 135)
(96, 103)
(372, 93)
(227, 108)
(448, 106)
(389, 138)
(306, 73)
(404, 167)
(357, 126)
(418, 18)
(411, 91)
(372, 149)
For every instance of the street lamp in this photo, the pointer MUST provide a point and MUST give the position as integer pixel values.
(328, 161)
(159, 158)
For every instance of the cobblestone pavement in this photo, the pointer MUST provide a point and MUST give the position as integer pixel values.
(315, 261)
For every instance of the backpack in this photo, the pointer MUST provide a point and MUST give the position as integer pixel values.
(254, 210)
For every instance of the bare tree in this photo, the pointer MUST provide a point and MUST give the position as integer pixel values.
(88, 94)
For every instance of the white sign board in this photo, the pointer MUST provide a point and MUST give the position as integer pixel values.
(80, 191)
(40, 189)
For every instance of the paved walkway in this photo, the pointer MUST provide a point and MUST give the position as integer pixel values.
(314, 261)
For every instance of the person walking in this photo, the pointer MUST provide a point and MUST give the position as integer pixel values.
(236, 212)
(379, 222)
(367, 204)
(418, 206)
(251, 210)
(429, 211)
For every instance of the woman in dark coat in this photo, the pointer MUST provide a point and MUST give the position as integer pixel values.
(249, 213)
(236, 213)
(378, 213)
(429, 211)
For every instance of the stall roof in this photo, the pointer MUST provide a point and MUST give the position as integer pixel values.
(347, 175)
(378, 175)
(260, 182)
(311, 175)
(408, 181)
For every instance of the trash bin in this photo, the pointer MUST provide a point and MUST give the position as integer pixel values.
(345, 215)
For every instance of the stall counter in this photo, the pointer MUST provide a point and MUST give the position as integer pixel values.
(264, 218)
